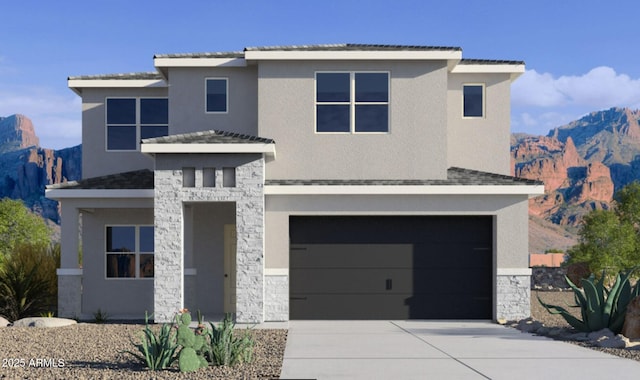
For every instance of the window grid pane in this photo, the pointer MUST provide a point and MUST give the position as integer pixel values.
(154, 111)
(121, 111)
(333, 87)
(121, 137)
(333, 118)
(372, 118)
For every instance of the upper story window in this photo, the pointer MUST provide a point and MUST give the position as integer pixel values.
(129, 251)
(216, 99)
(131, 119)
(473, 100)
(352, 102)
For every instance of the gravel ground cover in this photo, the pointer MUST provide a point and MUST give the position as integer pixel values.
(94, 351)
(539, 313)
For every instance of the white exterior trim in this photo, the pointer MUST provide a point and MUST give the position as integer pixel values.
(78, 84)
(69, 271)
(199, 62)
(375, 55)
(513, 272)
(514, 70)
(532, 190)
(98, 193)
(208, 148)
(276, 271)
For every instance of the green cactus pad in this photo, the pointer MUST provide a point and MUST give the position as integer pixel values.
(188, 360)
(186, 337)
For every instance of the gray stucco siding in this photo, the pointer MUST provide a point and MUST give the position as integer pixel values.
(473, 142)
(187, 100)
(119, 297)
(96, 161)
(414, 147)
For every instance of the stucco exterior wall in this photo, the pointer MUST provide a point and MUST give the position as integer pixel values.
(480, 143)
(511, 221)
(414, 147)
(187, 100)
(119, 297)
(96, 161)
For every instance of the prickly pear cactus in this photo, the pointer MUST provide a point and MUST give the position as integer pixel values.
(192, 354)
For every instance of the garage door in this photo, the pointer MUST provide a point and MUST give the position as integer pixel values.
(390, 267)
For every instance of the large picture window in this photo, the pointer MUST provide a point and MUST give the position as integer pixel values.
(131, 119)
(352, 102)
(216, 95)
(129, 251)
(473, 100)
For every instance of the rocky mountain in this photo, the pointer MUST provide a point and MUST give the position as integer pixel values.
(582, 164)
(26, 168)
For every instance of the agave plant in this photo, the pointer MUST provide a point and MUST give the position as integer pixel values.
(156, 352)
(225, 348)
(600, 307)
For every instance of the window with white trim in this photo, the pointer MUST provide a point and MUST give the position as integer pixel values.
(216, 95)
(131, 119)
(473, 100)
(129, 251)
(352, 102)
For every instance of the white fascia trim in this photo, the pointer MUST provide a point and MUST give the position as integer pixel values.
(100, 193)
(533, 190)
(199, 62)
(513, 271)
(69, 271)
(353, 55)
(492, 69)
(115, 83)
(276, 271)
(209, 148)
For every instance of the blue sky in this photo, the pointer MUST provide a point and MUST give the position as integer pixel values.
(581, 56)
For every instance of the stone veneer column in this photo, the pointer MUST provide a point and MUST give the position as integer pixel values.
(513, 294)
(69, 273)
(248, 196)
(276, 293)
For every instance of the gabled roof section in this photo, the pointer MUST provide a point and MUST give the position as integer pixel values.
(141, 79)
(458, 182)
(213, 141)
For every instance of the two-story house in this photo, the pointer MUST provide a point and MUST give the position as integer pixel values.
(341, 181)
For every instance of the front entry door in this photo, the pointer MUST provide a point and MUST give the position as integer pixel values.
(230, 245)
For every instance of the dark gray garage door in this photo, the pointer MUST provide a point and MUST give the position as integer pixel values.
(390, 267)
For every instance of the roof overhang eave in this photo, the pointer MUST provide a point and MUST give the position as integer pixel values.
(62, 193)
(151, 148)
(529, 190)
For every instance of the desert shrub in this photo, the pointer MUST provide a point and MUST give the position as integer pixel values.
(156, 351)
(28, 281)
(600, 307)
(226, 348)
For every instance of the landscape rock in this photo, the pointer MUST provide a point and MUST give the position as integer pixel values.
(617, 341)
(4, 322)
(529, 325)
(631, 327)
(43, 322)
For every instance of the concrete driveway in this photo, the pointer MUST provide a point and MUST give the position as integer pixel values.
(438, 350)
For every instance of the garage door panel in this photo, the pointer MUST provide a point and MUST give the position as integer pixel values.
(352, 280)
(380, 267)
(351, 255)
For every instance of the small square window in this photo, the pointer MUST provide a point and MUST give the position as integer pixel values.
(473, 100)
(216, 95)
(129, 251)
